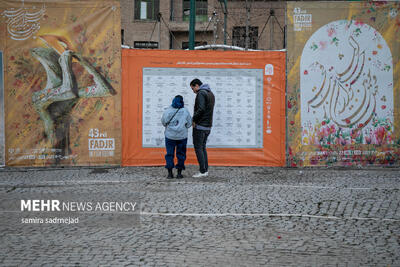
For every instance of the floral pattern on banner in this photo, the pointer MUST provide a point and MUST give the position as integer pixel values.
(327, 133)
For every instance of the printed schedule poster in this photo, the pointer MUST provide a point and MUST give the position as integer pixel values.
(249, 96)
(238, 109)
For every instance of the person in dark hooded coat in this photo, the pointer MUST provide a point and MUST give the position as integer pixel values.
(202, 123)
(176, 120)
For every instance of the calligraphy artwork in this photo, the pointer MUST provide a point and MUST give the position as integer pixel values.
(343, 83)
(346, 79)
(24, 22)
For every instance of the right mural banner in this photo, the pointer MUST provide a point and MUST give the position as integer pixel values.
(343, 87)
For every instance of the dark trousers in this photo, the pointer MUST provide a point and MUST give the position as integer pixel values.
(180, 153)
(199, 143)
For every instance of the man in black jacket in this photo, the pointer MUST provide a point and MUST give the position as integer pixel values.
(202, 122)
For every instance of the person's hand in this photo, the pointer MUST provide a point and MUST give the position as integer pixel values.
(193, 124)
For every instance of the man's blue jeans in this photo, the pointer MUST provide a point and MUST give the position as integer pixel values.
(199, 143)
(180, 153)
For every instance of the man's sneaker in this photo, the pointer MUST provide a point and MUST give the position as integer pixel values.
(199, 174)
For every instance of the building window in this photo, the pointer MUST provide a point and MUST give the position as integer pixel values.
(185, 45)
(201, 10)
(147, 9)
(122, 36)
(145, 44)
(239, 37)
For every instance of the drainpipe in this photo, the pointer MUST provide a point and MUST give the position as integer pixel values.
(192, 24)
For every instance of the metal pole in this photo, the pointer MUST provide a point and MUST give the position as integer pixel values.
(271, 30)
(172, 15)
(215, 27)
(225, 20)
(247, 26)
(159, 30)
(192, 24)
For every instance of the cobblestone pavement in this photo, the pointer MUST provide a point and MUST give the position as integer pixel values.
(238, 216)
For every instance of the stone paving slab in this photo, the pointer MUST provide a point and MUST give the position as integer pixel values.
(244, 216)
(211, 241)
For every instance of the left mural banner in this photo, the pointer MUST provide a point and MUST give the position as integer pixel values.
(1, 111)
(62, 82)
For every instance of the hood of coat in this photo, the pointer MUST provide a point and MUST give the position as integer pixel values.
(205, 86)
(177, 102)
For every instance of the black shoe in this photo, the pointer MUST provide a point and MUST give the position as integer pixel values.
(179, 176)
(170, 174)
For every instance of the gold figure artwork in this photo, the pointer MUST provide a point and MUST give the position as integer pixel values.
(61, 93)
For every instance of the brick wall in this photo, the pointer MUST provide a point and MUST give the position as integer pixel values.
(271, 38)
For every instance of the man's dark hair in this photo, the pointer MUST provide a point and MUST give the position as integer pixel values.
(196, 82)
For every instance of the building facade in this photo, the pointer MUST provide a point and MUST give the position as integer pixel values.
(164, 24)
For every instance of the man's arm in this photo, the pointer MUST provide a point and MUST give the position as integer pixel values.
(201, 106)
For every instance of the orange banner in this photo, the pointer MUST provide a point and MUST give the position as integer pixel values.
(249, 115)
(62, 96)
